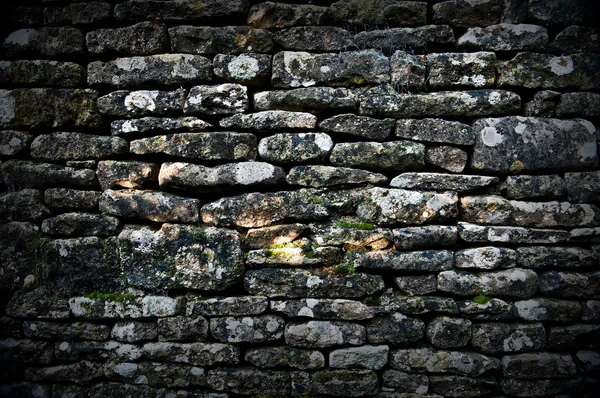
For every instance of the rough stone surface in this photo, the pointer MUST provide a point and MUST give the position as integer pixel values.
(455, 362)
(493, 338)
(494, 309)
(323, 176)
(143, 102)
(514, 283)
(272, 357)
(144, 38)
(286, 148)
(224, 99)
(351, 235)
(258, 238)
(248, 68)
(435, 130)
(155, 374)
(411, 383)
(541, 257)
(425, 237)
(465, 13)
(199, 354)
(221, 40)
(181, 328)
(13, 142)
(569, 284)
(441, 182)
(505, 37)
(37, 303)
(565, 11)
(480, 234)
(18, 241)
(149, 125)
(407, 39)
(80, 224)
(394, 329)
(447, 332)
(317, 100)
(150, 205)
(547, 309)
(535, 186)
(536, 365)
(82, 372)
(78, 14)
(590, 311)
(141, 10)
(334, 309)
(374, 129)
(345, 383)
(23, 205)
(133, 331)
(76, 146)
(390, 156)
(126, 174)
(460, 386)
(390, 13)
(270, 120)
(485, 258)
(528, 388)
(27, 351)
(44, 42)
(576, 39)
(365, 357)
(447, 158)
(71, 198)
(41, 73)
(111, 306)
(321, 334)
(313, 38)
(76, 330)
(583, 187)
(414, 261)
(247, 329)
(249, 381)
(415, 285)
(25, 173)
(267, 15)
(573, 104)
(447, 70)
(574, 336)
(230, 306)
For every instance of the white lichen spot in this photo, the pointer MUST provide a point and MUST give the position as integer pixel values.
(305, 311)
(311, 303)
(141, 100)
(64, 346)
(494, 98)
(519, 29)
(520, 129)
(196, 371)
(530, 310)
(313, 280)
(325, 69)
(588, 125)
(491, 137)
(141, 380)
(243, 67)
(323, 141)
(7, 106)
(467, 99)
(126, 369)
(253, 172)
(476, 2)
(561, 65)
(295, 62)
(589, 150)
(131, 64)
(20, 37)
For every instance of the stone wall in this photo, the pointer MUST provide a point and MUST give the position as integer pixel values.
(215, 198)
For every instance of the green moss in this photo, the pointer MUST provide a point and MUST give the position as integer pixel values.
(317, 201)
(117, 297)
(323, 377)
(372, 301)
(344, 269)
(362, 226)
(481, 299)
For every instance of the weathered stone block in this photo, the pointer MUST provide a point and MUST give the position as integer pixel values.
(574, 336)
(230, 306)
(416, 305)
(13, 142)
(590, 311)
(41, 73)
(485, 258)
(23, 205)
(505, 37)
(258, 238)
(323, 176)
(44, 43)
(76, 146)
(447, 332)
(96, 351)
(374, 129)
(441, 182)
(482, 234)
(406, 39)
(538, 365)
(134, 331)
(126, 174)
(126, 305)
(249, 68)
(143, 102)
(257, 329)
(182, 328)
(272, 357)
(317, 100)
(155, 206)
(584, 104)
(343, 383)
(447, 158)
(38, 303)
(268, 15)
(155, 374)
(351, 235)
(563, 12)
(313, 38)
(583, 187)
(338, 309)
(144, 38)
(448, 70)
(492, 310)
(224, 99)
(27, 351)
(550, 257)
(250, 381)
(569, 284)
(390, 13)
(365, 357)
(587, 361)
(408, 71)
(394, 329)
(80, 224)
(18, 245)
(493, 338)
(425, 237)
(514, 282)
(149, 125)
(270, 120)
(415, 285)
(535, 186)
(465, 13)
(286, 148)
(94, 12)
(80, 373)
(71, 198)
(199, 354)
(406, 382)
(460, 386)
(536, 388)
(438, 361)
(547, 309)
(70, 331)
(390, 156)
(435, 130)
(416, 261)
(220, 40)
(575, 39)
(143, 10)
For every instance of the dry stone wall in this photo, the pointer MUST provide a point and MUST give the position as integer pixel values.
(384, 198)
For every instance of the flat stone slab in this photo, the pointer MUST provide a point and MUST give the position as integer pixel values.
(407, 39)
(126, 174)
(351, 235)
(487, 257)
(41, 73)
(324, 176)
(230, 306)
(514, 283)
(144, 38)
(441, 182)
(464, 13)
(270, 15)
(133, 203)
(548, 309)
(313, 38)
(435, 130)
(428, 236)
(482, 234)
(365, 357)
(505, 37)
(542, 257)
(125, 103)
(250, 69)
(248, 329)
(415, 261)
(331, 309)
(250, 381)
(224, 99)
(219, 40)
(322, 334)
(389, 156)
(283, 356)
(316, 100)
(149, 125)
(141, 10)
(200, 354)
(493, 338)
(395, 329)
(46, 42)
(391, 13)
(448, 70)
(537, 365)
(115, 306)
(292, 148)
(584, 186)
(270, 120)
(439, 361)
(362, 126)
(80, 224)
(347, 383)
(27, 173)
(76, 146)
(535, 186)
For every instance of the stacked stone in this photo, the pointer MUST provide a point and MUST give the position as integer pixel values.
(352, 198)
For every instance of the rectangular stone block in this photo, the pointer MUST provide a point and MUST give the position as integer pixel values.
(220, 40)
(41, 73)
(447, 70)
(145, 10)
(124, 103)
(44, 42)
(144, 38)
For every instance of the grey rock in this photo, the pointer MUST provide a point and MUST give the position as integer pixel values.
(345, 383)
(313, 38)
(276, 283)
(27, 351)
(257, 329)
(104, 389)
(406, 39)
(576, 39)
(149, 125)
(80, 224)
(272, 357)
(493, 309)
(416, 305)
(408, 383)
(346, 69)
(76, 146)
(365, 357)
(515, 283)
(391, 156)
(569, 284)
(574, 336)
(13, 142)
(548, 309)
(124, 306)
(487, 257)
(563, 12)
(258, 238)
(134, 331)
(300, 253)
(230, 306)
(390, 13)
(541, 257)
(448, 70)
(535, 186)
(464, 13)
(414, 261)
(493, 338)
(270, 120)
(481, 234)
(142, 10)
(590, 311)
(351, 235)
(181, 256)
(222, 145)
(143, 102)
(18, 248)
(447, 157)
(583, 187)
(224, 99)
(324, 176)
(585, 234)
(538, 365)
(408, 71)
(249, 381)
(584, 104)
(441, 182)
(416, 285)
(220, 40)
(181, 328)
(514, 11)
(460, 386)
(164, 69)
(439, 361)
(448, 332)
(249, 68)
(267, 15)
(80, 373)
(73, 331)
(41, 73)
(71, 198)
(126, 174)
(453, 104)
(394, 329)
(155, 374)
(587, 361)
(317, 100)
(505, 37)
(540, 387)
(199, 354)
(331, 309)
(435, 130)
(23, 205)
(44, 42)
(539, 71)
(425, 237)
(144, 38)
(286, 148)
(81, 164)
(374, 129)
(543, 104)
(94, 12)
(96, 351)
(37, 303)
(390, 206)
(132, 203)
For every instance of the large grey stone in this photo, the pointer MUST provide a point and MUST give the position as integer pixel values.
(408, 71)
(96, 351)
(425, 237)
(441, 182)
(448, 70)
(155, 206)
(407, 39)
(389, 156)
(416, 305)
(257, 238)
(317, 100)
(414, 261)
(504, 37)
(538, 365)
(539, 387)
(13, 142)
(270, 120)
(249, 381)
(199, 354)
(406, 382)
(313, 38)
(37, 303)
(150, 125)
(229, 306)
(448, 332)
(252, 330)
(345, 383)
(155, 374)
(374, 129)
(142, 10)
(332, 309)
(124, 103)
(322, 334)
(26, 350)
(482, 234)
(24, 205)
(583, 104)
(583, 187)
(268, 15)
(76, 146)
(144, 38)
(435, 130)
(465, 13)
(46, 42)
(390, 13)
(282, 356)
(542, 257)
(219, 40)
(179, 256)
(547, 309)
(41, 73)
(80, 373)
(134, 331)
(575, 38)
(351, 235)
(126, 174)
(535, 186)
(292, 148)
(67, 331)
(123, 306)
(365, 357)
(224, 99)
(27, 173)
(324, 176)
(415, 285)
(574, 336)
(438, 361)
(487, 257)
(488, 309)
(248, 68)
(395, 329)
(569, 284)
(80, 224)
(447, 157)
(493, 338)
(71, 198)
(514, 283)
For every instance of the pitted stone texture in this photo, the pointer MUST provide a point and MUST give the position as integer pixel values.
(38, 303)
(435, 130)
(391, 206)
(574, 336)
(142, 10)
(126, 174)
(44, 43)
(250, 381)
(374, 129)
(41, 73)
(268, 15)
(448, 70)
(584, 104)
(583, 187)
(27, 173)
(541, 257)
(390, 156)
(417, 305)
(317, 100)
(365, 357)
(258, 238)
(466, 13)
(81, 373)
(338, 309)
(134, 331)
(563, 12)
(313, 38)
(114, 306)
(485, 258)
(150, 125)
(155, 206)
(94, 351)
(538, 365)
(346, 69)
(514, 283)
(13, 142)
(438, 361)
(258, 329)
(495, 210)
(181, 328)
(27, 351)
(230, 306)
(590, 311)
(394, 329)
(351, 236)
(163, 69)
(453, 104)
(73, 331)
(24, 205)
(222, 145)
(220, 40)
(539, 71)
(76, 146)
(390, 13)
(415, 285)
(547, 309)
(179, 256)
(409, 383)
(272, 357)
(144, 38)
(193, 177)
(321, 334)
(405, 39)
(71, 198)
(224, 99)
(199, 354)
(18, 244)
(540, 387)
(493, 310)
(270, 120)
(78, 14)
(249, 68)
(460, 386)
(143, 102)
(447, 332)
(576, 39)
(276, 283)
(297, 254)
(543, 104)
(155, 374)
(344, 383)
(292, 148)
(505, 37)
(324, 176)
(425, 237)
(535, 186)
(569, 284)
(447, 158)
(494, 338)
(441, 182)
(49, 107)
(481, 234)
(415, 261)
(80, 224)
(408, 71)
